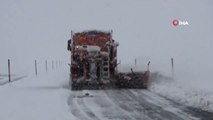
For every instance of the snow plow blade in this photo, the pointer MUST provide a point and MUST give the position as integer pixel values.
(134, 80)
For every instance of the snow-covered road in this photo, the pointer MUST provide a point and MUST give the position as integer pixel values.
(129, 105)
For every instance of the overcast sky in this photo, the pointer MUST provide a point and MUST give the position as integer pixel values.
(39, 29)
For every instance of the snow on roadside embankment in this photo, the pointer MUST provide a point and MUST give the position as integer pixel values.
(181, 92)
(36, 98)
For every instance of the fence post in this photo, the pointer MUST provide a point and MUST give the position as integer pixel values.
(172, 64)
(9, 76)
(56, 64)
(148, 65)
(46, 65)
(52, 64)
(36, 72)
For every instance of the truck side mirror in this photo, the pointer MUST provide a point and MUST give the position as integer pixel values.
(68, 45)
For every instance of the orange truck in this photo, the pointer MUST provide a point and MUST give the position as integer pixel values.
(94, 63)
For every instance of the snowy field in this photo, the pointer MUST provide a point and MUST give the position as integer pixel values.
(36, 98)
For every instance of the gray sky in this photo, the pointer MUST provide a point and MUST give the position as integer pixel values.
(39, 29)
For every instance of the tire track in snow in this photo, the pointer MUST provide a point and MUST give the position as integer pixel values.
(141, 106)
(108, 109)
(160, 106)
(75, 110)
(128, 106)
(179, 109)
(152, 110)
(86, 109)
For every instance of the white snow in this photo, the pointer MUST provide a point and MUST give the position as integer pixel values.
(182, 92)
(36, 98)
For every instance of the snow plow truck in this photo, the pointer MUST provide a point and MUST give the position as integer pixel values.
(94, 63)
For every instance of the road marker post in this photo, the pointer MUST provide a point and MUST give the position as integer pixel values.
(46, 66)
(172, 65)
(9, 74)
(36, 70)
